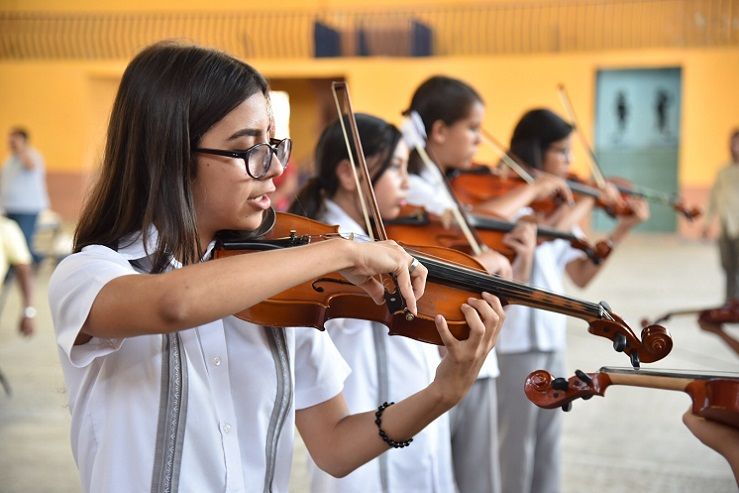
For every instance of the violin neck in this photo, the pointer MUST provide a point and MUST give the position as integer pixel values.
(662, 379)
(653, 195)
(649, 381)
(482, 222)
(583, 189)
(509, 292)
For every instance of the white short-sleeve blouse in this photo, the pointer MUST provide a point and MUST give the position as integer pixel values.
(209, 408)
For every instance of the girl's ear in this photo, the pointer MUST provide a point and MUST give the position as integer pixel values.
(438, 132)
(346, 176)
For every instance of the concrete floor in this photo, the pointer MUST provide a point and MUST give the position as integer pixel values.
(632, 440)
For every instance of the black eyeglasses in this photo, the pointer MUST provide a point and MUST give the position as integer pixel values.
(258, 158)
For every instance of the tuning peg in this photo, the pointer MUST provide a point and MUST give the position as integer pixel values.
(560, 384)
(620, 343)
(635, 360)
(567, 407)
(584, 377)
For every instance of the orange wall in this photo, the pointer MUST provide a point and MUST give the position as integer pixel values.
(65, 103)
(241, 5)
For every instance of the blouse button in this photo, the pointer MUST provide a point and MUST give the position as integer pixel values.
(217, 361)
(226, 428)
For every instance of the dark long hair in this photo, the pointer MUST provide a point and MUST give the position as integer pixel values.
(379, 140)
(441, 98)
(535, 132)
(170, 95)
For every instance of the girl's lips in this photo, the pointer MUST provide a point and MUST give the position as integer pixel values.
(262, 202)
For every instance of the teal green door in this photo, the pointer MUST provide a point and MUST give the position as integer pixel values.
(637, 135)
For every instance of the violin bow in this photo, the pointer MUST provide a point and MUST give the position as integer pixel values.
(505, 157)
(714, 395)
(415, 134)
(600, 180)
(340, 91)
(352, 162)
(632, 189)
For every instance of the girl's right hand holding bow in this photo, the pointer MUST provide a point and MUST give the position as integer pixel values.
(386, 257)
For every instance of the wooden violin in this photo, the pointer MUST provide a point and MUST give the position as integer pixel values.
(417, 226)
(726, 314)
(625, 187)
(478, 185)
(585, 188)
(628, 189)
(715, 396)
(453, 278)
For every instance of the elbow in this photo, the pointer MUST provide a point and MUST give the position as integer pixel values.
(334, 466)
(339, 472)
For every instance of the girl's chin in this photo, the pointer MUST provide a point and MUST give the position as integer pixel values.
(252, 222)
(391, 215)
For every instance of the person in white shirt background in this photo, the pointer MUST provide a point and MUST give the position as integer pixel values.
(452, 113)
(167, 390)
(383, 368)
(533, 339)
(23, 192)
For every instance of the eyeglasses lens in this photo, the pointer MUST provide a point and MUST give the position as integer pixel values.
(260, 157)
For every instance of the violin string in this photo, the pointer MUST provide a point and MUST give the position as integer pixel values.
(468, 277)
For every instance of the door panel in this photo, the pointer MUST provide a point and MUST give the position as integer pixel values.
(637, 135)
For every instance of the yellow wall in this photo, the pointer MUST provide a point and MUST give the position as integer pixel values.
(65, 103)
(241, 5)
(61, 102)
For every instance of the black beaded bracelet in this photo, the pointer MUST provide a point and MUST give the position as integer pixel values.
(381, 432)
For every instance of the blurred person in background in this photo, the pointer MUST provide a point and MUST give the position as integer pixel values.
(724, 204)
(14, 252)
(23, 186)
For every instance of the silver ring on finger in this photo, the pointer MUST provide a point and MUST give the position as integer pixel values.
(415, 263)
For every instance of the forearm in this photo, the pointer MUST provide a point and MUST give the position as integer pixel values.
(355, 439)
(567, 217)
(508, 205)
(582, 271)
(620, 232)
(201, 293)
(522, 266)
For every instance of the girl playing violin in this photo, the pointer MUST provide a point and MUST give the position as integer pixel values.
(167, 390)
(383, 368)
(452, 114)
(534, 338)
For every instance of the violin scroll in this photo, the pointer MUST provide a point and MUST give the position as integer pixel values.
(597, 253)
(689, 213)
(655, 343)
(548, 392)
